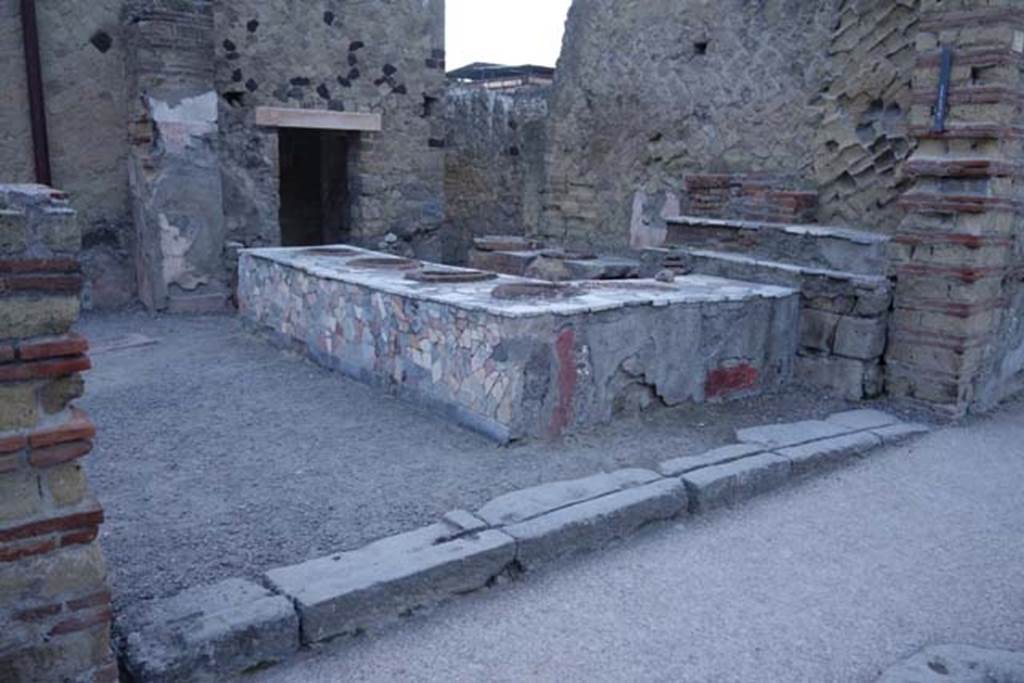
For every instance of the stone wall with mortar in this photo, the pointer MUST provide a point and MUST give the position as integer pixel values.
(54, 600)
(648, 93)
(174, 166)
(83, 62)
(494, 155)
(383, 57)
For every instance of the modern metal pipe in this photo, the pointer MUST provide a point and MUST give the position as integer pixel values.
(36, 103)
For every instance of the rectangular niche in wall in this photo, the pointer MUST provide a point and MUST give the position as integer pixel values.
(313, 186)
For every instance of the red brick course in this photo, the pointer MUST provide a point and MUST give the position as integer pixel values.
(72, 522)
(43, 369)
(41, 265)
(50, 456)
(70, 345)
(82, 537)
(82, 622)
(78, 427)
(38, 613)
(63, 284)
(12, 554)
(13, 444)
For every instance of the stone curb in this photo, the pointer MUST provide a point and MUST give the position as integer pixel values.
(233, 626)
(236, 626)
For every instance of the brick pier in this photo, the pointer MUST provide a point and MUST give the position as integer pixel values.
(54, 601)
(956, 337)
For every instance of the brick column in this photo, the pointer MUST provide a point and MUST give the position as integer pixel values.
(956, 339)
(54, 601)
(174, 165)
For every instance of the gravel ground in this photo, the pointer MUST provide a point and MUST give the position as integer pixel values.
(836, 579)
(220, 456)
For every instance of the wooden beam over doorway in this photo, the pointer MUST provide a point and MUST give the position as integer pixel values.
(317, 119)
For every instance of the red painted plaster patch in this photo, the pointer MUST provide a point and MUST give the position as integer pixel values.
(724, 381)
(565, 354)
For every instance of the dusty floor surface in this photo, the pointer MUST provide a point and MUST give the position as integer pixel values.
(219, 455)
(835, 579)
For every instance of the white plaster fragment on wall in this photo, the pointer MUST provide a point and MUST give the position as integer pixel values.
(174, 245)
(180, 123)
(197, 110)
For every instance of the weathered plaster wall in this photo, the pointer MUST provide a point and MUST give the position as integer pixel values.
(82, 54)
(494, 155)
(174, 166)
(385, 57)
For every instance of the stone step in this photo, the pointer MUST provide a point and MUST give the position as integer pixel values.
(735, 266)
(813, 246)
(922, 166)
(199, 303)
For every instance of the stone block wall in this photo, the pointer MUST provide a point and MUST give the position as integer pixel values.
(843, 330)
(54, 601)
(494, 155)
(957, 336)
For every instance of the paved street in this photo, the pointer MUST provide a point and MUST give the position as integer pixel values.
(835, 579)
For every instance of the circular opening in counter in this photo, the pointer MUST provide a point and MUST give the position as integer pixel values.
(444, 276)
(520, 291)
(336, 252)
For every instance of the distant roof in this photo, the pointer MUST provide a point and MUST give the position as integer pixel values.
(483, 71)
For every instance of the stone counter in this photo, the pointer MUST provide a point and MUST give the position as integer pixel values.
(529, 367)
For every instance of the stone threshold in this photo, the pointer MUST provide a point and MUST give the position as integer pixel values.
(237, 627)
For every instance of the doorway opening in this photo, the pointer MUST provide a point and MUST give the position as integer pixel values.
(313, 185)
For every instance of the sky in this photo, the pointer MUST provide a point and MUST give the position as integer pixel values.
(504, 31)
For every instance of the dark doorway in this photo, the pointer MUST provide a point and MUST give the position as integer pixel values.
(313, 186)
